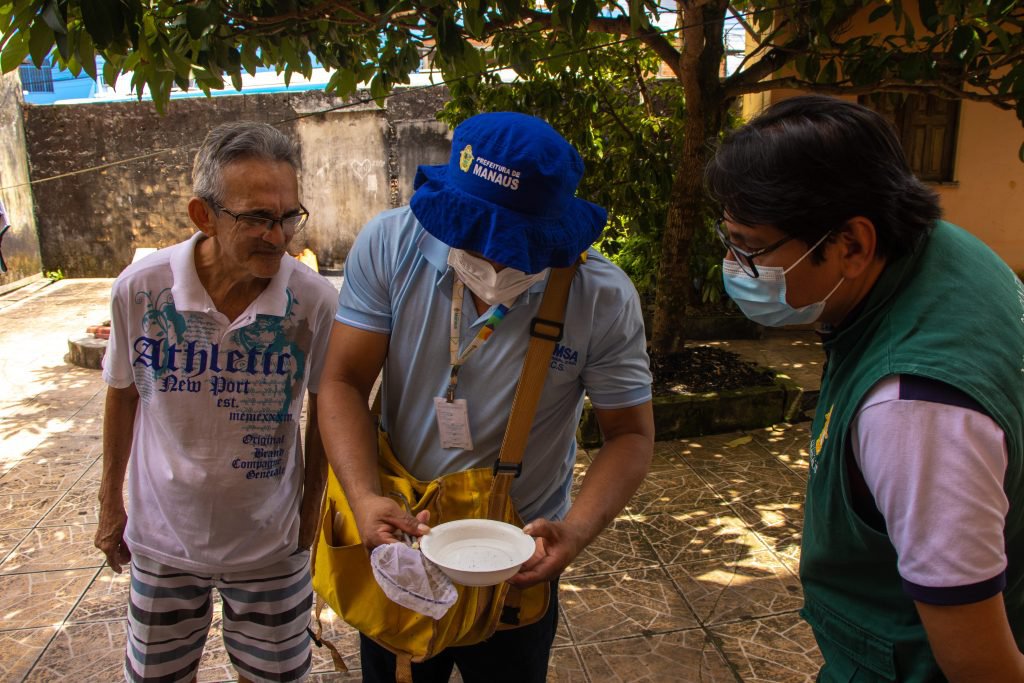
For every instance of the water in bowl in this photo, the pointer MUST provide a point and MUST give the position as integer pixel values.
(475, 556)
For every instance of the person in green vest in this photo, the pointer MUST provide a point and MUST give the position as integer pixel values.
(912, 560)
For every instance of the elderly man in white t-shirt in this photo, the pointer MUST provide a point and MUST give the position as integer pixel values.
(214, 343)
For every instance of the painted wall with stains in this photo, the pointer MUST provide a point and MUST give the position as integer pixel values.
(132, 169)
(19, 244)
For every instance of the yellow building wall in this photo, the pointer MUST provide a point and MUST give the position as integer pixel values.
(988, 195)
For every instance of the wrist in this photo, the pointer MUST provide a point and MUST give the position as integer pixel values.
(581, 532)
(111, 494)
(111, 498)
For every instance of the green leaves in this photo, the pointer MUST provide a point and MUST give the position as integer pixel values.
(1003, 38)
(379, 89)
(929, 13)
(473, 18)
(343, 83)
(53, 17)
(829, 73)
(14, 52)
(584, 10)
(86, 53)
(40, 41)
(249, 58)
(111, 70)
(448, 37)
(879, 12)
(966, 43)
(103, 19)
(199, 19)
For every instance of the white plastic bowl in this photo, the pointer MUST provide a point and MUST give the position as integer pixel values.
(477, 552)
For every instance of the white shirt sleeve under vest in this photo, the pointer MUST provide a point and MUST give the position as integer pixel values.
(936, 473)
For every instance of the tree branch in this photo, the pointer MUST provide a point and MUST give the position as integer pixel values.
(652, 38)
(645, 96)
(779, 56)
(324, 11)
(792, 82)
(744, 23)
(610, 110)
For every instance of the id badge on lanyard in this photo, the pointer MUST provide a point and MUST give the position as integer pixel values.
(453, 423)
(453, 413)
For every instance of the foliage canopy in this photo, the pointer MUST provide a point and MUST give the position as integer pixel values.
(956, 49)
(969, 49)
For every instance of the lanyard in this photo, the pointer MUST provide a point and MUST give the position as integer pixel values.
(455, 339)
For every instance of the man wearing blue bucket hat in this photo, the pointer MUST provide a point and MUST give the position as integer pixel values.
(483, 232)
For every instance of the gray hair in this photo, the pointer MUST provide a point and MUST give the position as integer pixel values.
(234, 141)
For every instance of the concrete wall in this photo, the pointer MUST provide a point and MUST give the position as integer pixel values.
(344, 179)
(20, 243)
(355, 162)
(421, 139)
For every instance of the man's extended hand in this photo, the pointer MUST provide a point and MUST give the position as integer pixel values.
(110, 535)
(558, 544)
(381, 520)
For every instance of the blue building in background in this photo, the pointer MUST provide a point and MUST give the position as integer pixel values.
(50, 83)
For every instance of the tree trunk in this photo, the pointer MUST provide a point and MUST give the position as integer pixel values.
(675, 286)
(703, 49)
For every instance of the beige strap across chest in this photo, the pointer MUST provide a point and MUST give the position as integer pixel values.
(545, 331)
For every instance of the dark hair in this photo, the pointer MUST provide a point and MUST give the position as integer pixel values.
(233, 141)
(809, 164)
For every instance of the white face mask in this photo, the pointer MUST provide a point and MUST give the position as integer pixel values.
(494, 287)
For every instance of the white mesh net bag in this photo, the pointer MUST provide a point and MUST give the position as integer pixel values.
(411, 580)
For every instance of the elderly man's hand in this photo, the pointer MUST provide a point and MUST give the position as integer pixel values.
(110, 535)
(382, 520)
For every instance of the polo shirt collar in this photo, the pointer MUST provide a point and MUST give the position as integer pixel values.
(190, 295)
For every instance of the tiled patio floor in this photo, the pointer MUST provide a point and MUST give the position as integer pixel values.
(694, 582)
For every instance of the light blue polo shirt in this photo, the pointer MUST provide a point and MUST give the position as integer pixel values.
(397, 282)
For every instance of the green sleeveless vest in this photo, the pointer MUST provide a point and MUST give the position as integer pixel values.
(953, 312)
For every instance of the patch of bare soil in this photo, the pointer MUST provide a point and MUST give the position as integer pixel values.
(699, 369)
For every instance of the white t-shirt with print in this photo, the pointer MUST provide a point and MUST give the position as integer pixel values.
(215, 474)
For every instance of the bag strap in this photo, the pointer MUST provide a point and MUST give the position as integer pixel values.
(316, 629)
(545, 330)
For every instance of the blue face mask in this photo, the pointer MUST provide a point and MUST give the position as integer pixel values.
(763, 299)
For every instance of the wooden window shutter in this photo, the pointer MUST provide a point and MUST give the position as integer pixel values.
(927, 127)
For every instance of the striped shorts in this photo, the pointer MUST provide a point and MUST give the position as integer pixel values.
(265, 621)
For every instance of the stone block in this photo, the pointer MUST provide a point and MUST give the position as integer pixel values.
(86, 351)
(715, 412)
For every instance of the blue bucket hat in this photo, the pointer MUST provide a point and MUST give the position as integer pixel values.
(508, 192)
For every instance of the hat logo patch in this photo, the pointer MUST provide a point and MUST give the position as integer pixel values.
(466, 158)
(495, 173)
